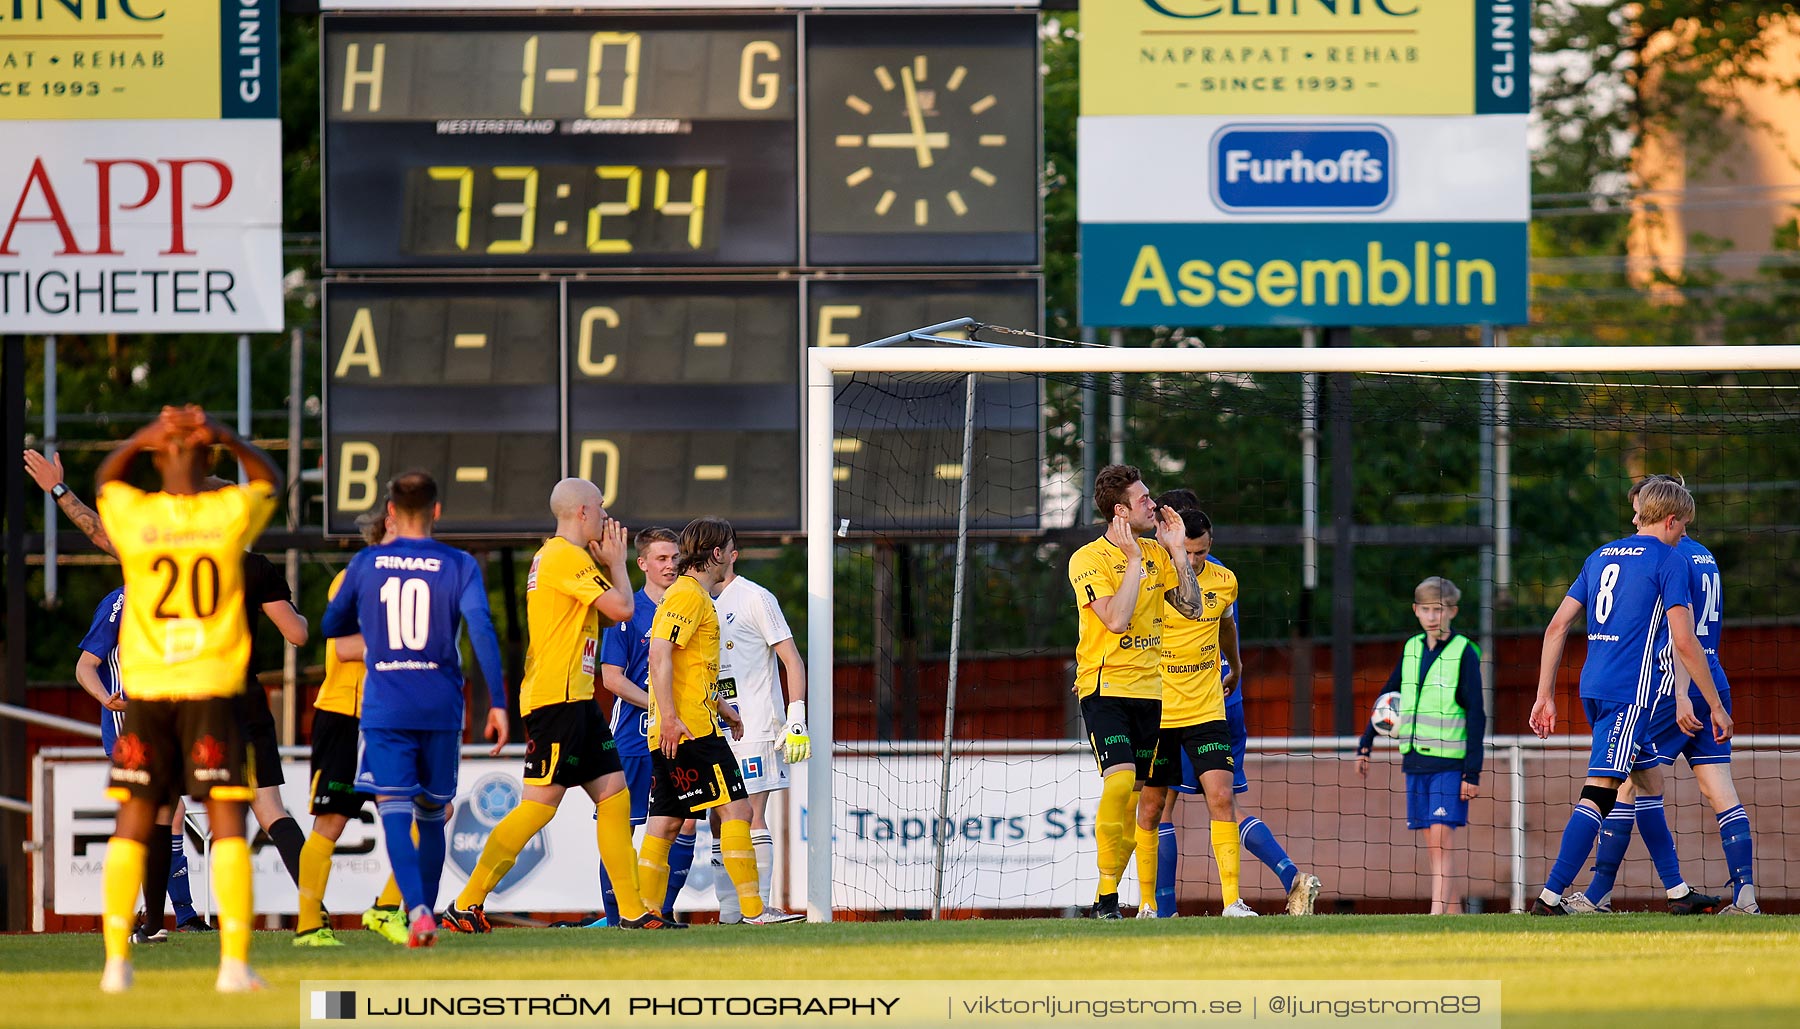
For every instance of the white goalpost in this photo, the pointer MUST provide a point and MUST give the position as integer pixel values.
(823, 527)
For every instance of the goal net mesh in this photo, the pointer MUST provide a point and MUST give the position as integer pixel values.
(1017, 830)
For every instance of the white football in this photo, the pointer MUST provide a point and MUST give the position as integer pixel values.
(1386, 714)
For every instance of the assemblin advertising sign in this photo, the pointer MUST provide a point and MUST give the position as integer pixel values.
(1304, 162)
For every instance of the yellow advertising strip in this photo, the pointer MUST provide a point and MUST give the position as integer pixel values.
(127, 59)
(1251, 57)
(1172, 1003)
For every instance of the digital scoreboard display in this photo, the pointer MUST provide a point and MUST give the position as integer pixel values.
(598, 243)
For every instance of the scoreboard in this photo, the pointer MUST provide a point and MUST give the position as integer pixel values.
(598, 244)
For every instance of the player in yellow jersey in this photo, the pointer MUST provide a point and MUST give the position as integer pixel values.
(1121, 583)
(692, 768)
(335, 799)
(1254, 836)
(577, 579)
(183, 646)
(1193, 721)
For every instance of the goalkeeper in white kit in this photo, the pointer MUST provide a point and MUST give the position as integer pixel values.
(753, 636)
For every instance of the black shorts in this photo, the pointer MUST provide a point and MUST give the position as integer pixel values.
(334, 736)
(703, 775)
(568, 744)
(1122, 730)
(1207, 745)
(256, 723)
(168, 748)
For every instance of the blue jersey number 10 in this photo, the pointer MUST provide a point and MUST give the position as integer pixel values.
(408, 606)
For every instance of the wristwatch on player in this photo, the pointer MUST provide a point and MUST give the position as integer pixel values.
(58, 491)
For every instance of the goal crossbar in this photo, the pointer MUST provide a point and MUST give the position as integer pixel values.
(825, 362)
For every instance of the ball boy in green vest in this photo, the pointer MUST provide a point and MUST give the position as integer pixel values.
(1442, 722)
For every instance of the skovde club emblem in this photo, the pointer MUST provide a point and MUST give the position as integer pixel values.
(476, 815)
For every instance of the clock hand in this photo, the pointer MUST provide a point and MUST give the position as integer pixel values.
(917, 117)
(908, 141)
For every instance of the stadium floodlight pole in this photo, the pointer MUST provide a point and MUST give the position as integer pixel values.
(51, 586)
(940, 834)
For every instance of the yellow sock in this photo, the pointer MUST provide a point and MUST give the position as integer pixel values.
(121, 879)
(652, 873)
(1127, 835)
(231, 887)
(502, 850)
(612, 831)
(315, 872)
(1146, 859)
(739, 855)
(1226, 851)
(1110, 833)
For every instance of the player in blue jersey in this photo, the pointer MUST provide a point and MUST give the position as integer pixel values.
(1629, 589)
(165, 861)
(1709, 758)
(625, 668)
(1255, 836)
(408, 599)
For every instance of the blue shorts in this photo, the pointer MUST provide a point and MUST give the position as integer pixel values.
(1620, 731)
(1665, 741)
(637, 785)
(1435, 798)
(408, 762)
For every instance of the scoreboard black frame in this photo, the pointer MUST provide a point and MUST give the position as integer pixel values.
(678, 397)
(598, 244)
(627, 141)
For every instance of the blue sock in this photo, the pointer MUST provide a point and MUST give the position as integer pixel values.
(681, 858)
(1740, 855)
(181, 896)
(1577, 843)
(403, 856)
(609, 900)
(1258, 840)
(1653, 825)
(1615, 839)
(1168, 865)
(431, 850)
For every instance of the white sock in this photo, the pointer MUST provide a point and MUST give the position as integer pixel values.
(729, 911)
(764, 842)
(1681, 890)
(1552, 899)
(1746, 895)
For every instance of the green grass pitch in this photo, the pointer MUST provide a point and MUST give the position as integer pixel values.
(1631, 970)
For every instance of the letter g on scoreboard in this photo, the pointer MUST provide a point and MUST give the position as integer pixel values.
(1302, 169)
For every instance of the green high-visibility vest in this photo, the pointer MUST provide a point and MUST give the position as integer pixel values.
(1431, 721)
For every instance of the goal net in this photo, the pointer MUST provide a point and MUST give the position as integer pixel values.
(1500, 469)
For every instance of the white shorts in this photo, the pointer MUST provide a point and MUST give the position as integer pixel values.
(762, 765)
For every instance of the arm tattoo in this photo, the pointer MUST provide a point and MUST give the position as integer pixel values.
(88, 522)
(1186, 597)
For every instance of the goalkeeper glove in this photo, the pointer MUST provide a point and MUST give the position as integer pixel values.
(796, 745)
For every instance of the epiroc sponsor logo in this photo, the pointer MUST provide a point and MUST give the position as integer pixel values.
(1303, 168)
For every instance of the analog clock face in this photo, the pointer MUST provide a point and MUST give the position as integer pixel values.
(923, 140)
